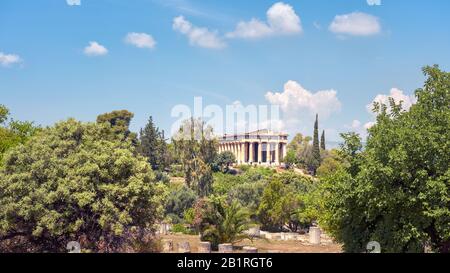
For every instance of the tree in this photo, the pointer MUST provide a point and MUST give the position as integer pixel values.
(224, 160)
(272, 212)
(315, 162)
(153, 146)
(248, 194)
(290, 159)
(13, 133)
(75, 182)
(301, 147)
(398, 191)
(196, 146)
(351, 152)
(4, 113)
(322, 141)
(119, 121)
(330, 164)
(178, 201)
(223, 223)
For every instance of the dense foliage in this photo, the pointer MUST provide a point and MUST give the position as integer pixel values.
(315, 160)
(284, 203)
(197, 149)
(179, 200)
(13, 133)
(153, 146)
(75, 181)
(396, 191)
(223, 161)
(220, 222)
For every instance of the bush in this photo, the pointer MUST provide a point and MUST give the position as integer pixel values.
(178, 201)
(285, 201)
(162, 177)
(223, 183)
(181, 228)
(248, 194)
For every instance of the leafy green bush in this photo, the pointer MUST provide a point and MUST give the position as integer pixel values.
(179, 199)
(223, 161)
(223, 183)
(285, 201)
(181, 228)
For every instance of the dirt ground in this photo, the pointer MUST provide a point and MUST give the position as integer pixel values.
(263, 245)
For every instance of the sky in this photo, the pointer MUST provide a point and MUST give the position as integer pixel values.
(81, 58)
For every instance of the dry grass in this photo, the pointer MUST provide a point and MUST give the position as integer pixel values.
(262, 245)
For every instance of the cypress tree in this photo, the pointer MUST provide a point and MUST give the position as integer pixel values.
(153, 145)
(322, 141)
(316, 147)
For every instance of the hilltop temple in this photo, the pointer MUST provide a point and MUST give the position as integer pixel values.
(261, 147)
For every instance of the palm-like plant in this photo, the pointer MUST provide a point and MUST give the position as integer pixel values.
(223, 223)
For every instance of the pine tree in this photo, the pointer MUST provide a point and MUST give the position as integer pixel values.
(316, 147)
(322, 141)
(153, 145)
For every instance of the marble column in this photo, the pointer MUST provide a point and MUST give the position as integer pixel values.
(238, 153)
(266, 152)
(260, 152)
(250, 152)
(277, 153)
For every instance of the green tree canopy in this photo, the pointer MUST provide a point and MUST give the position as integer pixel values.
(14, 132)
(224, 160)
(4, 113)
(119, 122)
(75, 181)
(396, 191)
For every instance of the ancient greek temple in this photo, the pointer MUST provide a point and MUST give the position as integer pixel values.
(262, 147)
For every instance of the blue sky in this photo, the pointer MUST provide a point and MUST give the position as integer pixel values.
(339, 56)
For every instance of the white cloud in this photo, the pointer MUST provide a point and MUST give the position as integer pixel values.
(369, 125)
(374, 2)
(356, 124)
(95, 49)
(250, 118)
(299, 105)
(397, 95)
(356, 24)
(281, 20)
(140, 40)
(9, 59)
(73, 2)
(198, 36)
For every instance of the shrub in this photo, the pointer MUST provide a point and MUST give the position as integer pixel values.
(180, 199)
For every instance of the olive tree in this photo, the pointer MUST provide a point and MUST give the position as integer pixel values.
(75, 182)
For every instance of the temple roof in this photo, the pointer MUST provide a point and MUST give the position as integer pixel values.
(261, 132)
